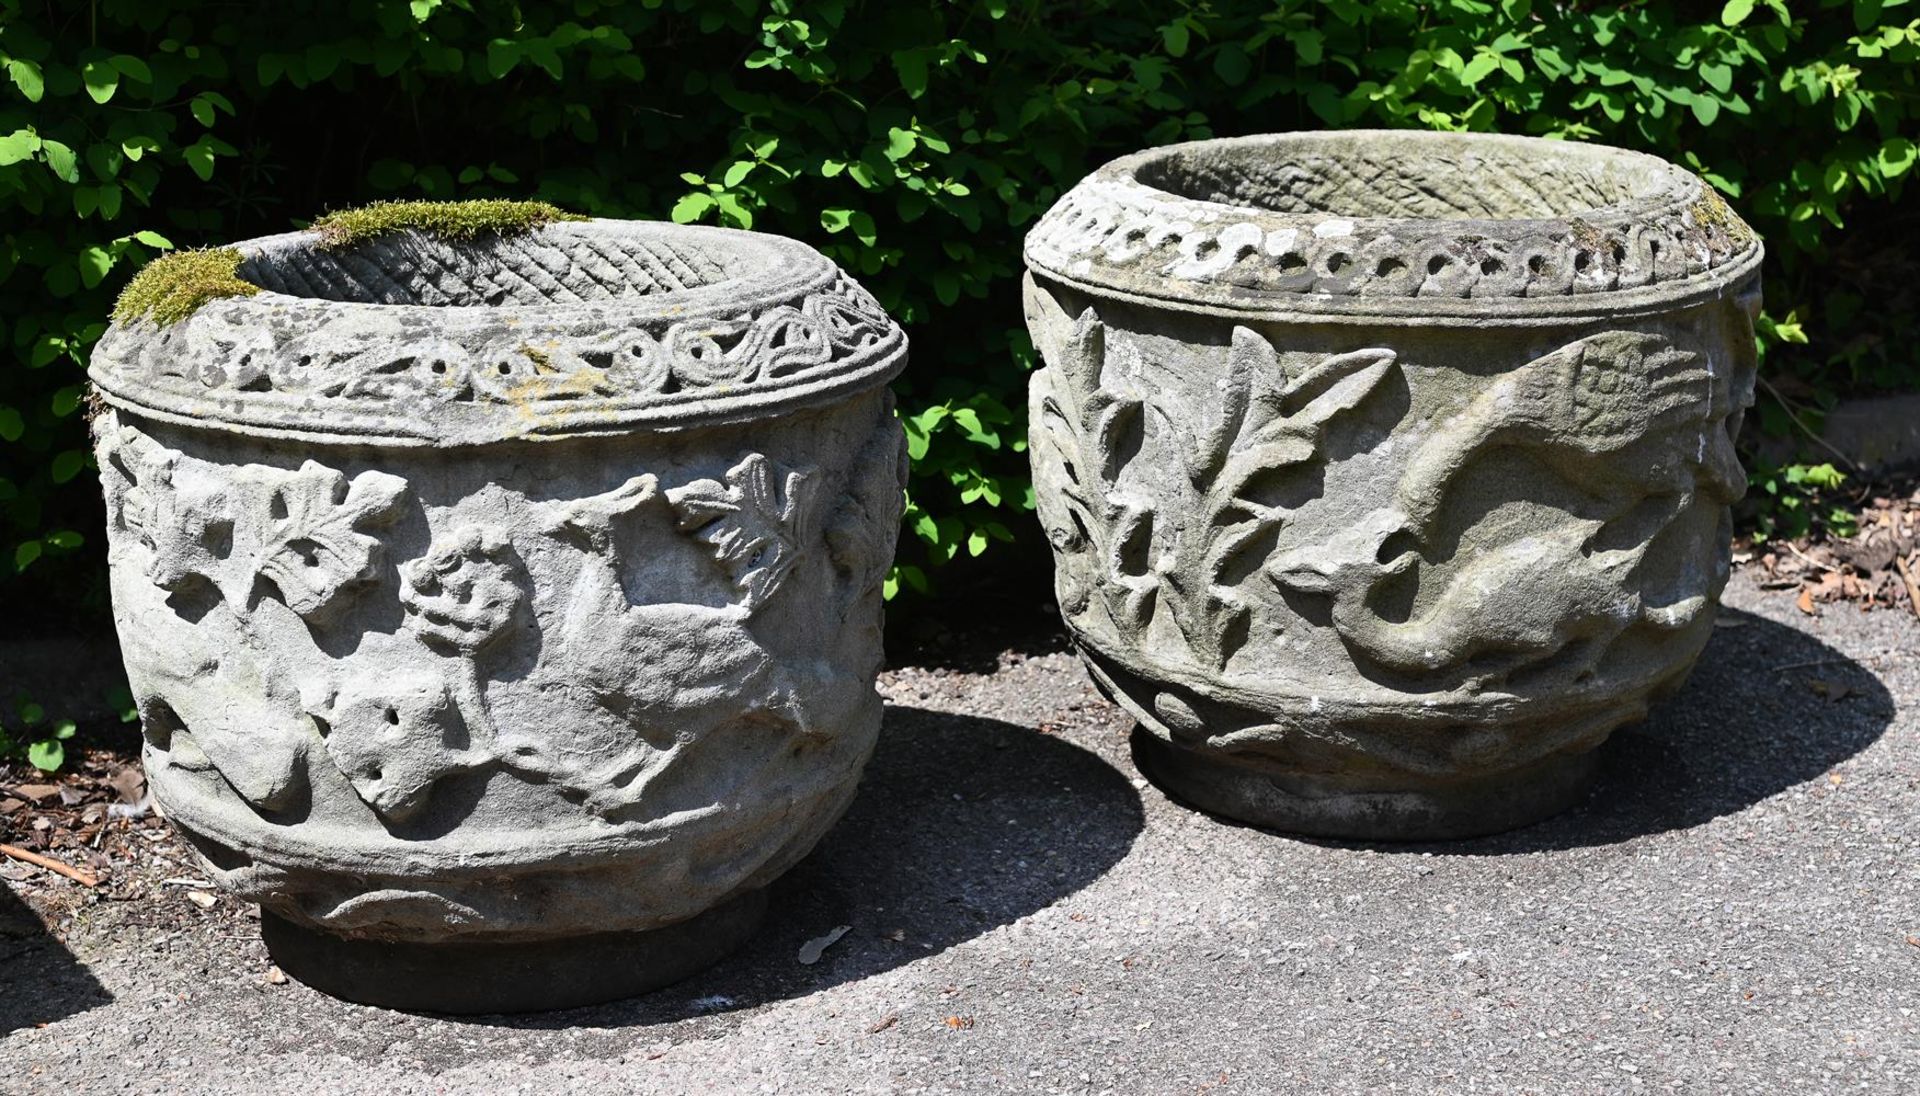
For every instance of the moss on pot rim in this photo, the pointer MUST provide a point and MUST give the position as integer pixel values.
(169, 289)
(447, 220)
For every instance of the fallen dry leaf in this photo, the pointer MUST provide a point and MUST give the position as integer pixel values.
(37, 792)
(888, 1021)
(276, 976)
(811, 951)
(1805, 601)
(202, 899)
(130, 782)
(1833, 691)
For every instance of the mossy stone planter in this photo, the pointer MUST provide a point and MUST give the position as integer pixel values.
(1388, 473)
(503, 615)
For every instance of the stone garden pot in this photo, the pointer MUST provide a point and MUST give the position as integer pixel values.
(504, 615)
(1388, 473)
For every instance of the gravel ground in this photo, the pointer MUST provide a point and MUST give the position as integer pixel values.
(1734, 910)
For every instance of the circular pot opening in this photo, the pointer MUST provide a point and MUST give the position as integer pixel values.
(1408, 176)
(555, 264)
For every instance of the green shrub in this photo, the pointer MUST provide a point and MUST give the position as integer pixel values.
(912, 140)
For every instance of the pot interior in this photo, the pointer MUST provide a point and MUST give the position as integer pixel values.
(1405, 176)
(554, 264)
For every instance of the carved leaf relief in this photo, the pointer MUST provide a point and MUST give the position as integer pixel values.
(752, 520)
(314, 543)
(1164, 548)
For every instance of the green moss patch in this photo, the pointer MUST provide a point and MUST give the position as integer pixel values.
(169, 289)
(447, 220)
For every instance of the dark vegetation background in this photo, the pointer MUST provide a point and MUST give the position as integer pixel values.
(914, 141)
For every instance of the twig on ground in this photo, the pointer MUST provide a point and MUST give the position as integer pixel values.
(1810, 665)
(1913, 588)
(84, 878)
(1810, 559)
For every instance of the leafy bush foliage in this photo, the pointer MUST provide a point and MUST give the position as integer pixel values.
(913, 140)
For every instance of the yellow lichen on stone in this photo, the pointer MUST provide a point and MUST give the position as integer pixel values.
(447, 220)
(169, 289)
(1712, 210)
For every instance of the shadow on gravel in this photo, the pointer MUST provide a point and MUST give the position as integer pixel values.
(40, 980)
(1767, 707)
(962, 825)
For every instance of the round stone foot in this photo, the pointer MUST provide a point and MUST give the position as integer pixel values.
(533, 976)
(1328, 806)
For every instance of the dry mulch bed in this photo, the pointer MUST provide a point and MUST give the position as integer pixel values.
(88, 835)
(1876, 568)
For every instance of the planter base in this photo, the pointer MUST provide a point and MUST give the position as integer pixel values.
(1337, 809)
(478, 978)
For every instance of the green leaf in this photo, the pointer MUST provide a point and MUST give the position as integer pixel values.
(133, 67)
(25, 553)
(502, 55)
(731, 206)
(47, 755)
(67, 464)
(202, 111)
(1232, 65)
(11, 425)
(900, 143)
(737, 173)
(1309, 46)
(65, 539)
(101, 79)
(1477, 69)
(61, 160)
(1705, 109)
(199, 157)
(19, 145)
(912, 66)
(93, 262)
(1718, 77)
(1896, 157)
(1736, 12)
(1175, 35)
(28, 78)
(691, 208)
(153, 239)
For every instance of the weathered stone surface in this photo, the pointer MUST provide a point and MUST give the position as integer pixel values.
(1387, 473)
(506, 591)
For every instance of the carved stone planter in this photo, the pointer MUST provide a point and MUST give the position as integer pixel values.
(1388, 473)
(503, 616)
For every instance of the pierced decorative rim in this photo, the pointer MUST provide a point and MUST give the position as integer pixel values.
(574, 328)
(1395, 225)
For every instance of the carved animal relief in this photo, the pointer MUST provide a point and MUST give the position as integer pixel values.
(404, 712)
(1175, 529)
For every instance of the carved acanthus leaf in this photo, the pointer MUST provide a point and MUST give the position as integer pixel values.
(313, 544)
(752, 520)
